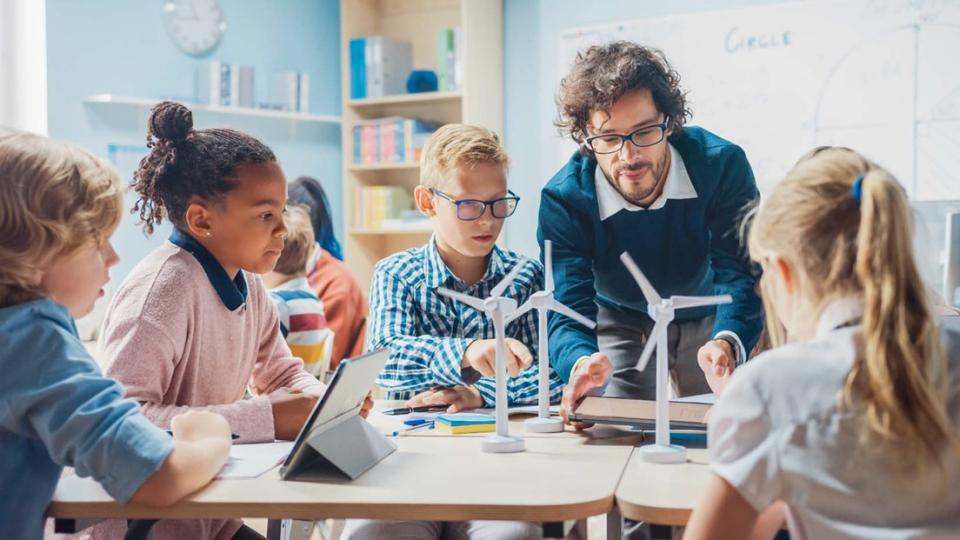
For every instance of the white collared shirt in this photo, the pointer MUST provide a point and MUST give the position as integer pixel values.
(676, 186)
(778, 432)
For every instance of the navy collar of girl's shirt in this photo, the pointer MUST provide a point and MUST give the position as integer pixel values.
(233, 292)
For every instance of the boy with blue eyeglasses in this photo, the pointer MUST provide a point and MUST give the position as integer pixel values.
(442, 351)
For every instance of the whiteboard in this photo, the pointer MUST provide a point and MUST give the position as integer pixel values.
(881, 77)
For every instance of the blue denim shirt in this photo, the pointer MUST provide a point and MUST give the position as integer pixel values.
(56, 410)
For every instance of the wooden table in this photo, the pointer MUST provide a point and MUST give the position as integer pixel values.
(435, 476)
(662, 494)
(431, 478)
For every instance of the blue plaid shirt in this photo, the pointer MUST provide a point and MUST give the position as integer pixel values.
(427, 333)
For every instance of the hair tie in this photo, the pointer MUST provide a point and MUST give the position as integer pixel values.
(857, 188)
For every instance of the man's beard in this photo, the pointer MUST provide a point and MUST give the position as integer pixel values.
(659, 175)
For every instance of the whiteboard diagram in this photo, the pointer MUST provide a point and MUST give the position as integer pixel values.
(879, 76)
(909, 117)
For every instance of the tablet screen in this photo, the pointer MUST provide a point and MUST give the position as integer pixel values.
(347, 389)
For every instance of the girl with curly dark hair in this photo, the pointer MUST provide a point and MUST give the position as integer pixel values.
(192, 325)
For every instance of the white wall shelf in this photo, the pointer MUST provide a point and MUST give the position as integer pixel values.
(147, 103)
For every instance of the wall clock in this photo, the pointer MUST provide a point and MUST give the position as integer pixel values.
(196, 26)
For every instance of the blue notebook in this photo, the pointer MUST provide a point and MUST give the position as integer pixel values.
(466, 419)
(358, 68)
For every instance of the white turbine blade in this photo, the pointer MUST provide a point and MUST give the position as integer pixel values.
(548, 264)
(661, 326)
(560, 308)
(471, 301)
(521, 311)
(505, 282)
(648, 291)
(680, 302)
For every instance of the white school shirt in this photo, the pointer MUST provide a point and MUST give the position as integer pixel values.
(777, 433)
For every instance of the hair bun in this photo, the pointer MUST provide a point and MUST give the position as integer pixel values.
(170, 121)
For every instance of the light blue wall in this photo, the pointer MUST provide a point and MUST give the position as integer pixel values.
(121, 47)
(531, 42)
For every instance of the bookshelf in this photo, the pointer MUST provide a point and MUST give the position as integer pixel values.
(478, 101)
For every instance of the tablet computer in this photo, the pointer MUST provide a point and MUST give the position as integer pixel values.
(639, 412)
(340, 405)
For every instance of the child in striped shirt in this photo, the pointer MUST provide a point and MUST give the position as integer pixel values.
(301, 312)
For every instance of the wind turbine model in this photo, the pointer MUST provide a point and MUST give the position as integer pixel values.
(544, 303)
(499, 309)
(662, 310)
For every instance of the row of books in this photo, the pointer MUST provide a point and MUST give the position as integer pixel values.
(377, 205)
(379, 66)
(232, 85)
(390, 140)
(224, 84)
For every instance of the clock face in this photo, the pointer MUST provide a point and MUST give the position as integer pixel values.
(196, 26)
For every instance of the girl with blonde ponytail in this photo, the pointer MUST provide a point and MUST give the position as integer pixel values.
(849, 426)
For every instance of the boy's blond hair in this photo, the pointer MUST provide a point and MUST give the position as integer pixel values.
(298, 244)
(54, 198)
(454, 145)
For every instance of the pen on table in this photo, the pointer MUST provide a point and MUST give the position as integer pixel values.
(414, 427)
(408, 410)
(233, 436)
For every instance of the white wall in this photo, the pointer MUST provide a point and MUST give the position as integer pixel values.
(23, 61)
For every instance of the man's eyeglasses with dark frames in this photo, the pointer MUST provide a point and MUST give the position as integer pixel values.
(611, 143)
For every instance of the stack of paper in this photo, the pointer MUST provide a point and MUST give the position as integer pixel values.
(465, 423)
(252, 460)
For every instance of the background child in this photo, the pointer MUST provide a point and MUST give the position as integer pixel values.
(59, 205)
(308, 192)
(192, 324)
(852, 422)
(302, 321)
(343, 302)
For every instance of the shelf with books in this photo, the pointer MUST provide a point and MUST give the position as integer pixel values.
(461, 41)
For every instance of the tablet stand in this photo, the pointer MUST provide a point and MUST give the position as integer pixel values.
(347, 445)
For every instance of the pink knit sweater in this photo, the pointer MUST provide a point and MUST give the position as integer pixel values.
(171, 341)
